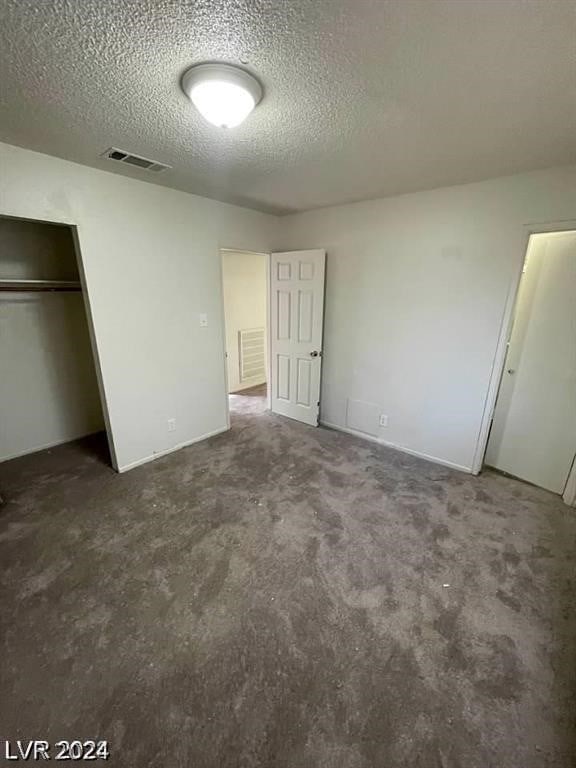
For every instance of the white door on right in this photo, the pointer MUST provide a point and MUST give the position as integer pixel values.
(296, 320)
(533, 434)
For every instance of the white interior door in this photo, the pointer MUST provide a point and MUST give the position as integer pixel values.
(533, 433)
(296, 316)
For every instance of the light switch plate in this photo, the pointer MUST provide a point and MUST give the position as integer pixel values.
(203, 320)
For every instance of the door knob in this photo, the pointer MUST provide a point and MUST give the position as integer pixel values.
(510, 371)
(315, 354)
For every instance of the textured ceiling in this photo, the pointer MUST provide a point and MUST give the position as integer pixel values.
(363, 98)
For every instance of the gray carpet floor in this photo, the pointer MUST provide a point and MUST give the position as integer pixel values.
(289, 597)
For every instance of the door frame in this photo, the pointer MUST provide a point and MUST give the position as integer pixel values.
(499, 359)
(569, 495)
(267, 255)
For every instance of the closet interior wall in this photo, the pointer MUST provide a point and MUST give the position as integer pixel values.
(48, 388)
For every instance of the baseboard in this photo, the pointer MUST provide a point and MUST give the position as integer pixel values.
(257, 383)
(401, 448)
(154, 456)
(51, 445)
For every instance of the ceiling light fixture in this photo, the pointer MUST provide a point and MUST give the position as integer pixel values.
(223, 94)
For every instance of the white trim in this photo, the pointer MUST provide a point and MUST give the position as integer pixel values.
(47, 447)
(401, 448)
(224, 350)
(250, 384)
(159, 454)
(499, 359)
(244, 250)
(498, 362)
(569, 495)
(268, 334)
(94, 347)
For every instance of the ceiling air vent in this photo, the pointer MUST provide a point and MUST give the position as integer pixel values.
(120, 156)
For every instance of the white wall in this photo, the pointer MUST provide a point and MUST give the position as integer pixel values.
(48, 389)
(416, 291)
(151, 264)
(244, 284)
(417, 287)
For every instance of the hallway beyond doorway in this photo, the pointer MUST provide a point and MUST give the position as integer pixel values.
(248, 402)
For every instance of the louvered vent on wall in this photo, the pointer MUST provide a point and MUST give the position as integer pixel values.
(252, 354)
(120, 156)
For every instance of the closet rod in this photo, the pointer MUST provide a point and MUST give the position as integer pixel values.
(40, 285)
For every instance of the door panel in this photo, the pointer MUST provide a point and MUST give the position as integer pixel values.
(305, 315)
(283, 380)
(304, 382)
(533, 432)
(297, 310)
(283, 303)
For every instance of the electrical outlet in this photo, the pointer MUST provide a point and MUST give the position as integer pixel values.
(383, 420)
(203, 320)
(171, 425)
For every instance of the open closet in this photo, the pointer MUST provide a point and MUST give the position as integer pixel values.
(48, 385)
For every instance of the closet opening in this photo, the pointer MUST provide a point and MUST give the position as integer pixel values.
(533, 429)
(50, 388)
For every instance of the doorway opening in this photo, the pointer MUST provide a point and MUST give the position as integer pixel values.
(245, 295)
(50, 389)
(274, 316)
(533, 429)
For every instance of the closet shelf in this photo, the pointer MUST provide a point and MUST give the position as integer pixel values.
(40, 285)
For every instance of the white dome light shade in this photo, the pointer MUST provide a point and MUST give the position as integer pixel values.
(223, 95)
(223, 104)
